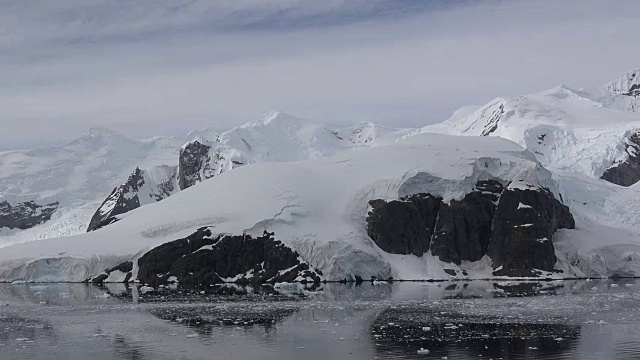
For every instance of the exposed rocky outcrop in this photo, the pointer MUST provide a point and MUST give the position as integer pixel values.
(141, 187)
(198, 161)
(118, 202)
(193, 165)
(523, 227)
(454, 231)
(201, 259)
(120, 273)
(628, 84)
(493, 120)
(513, 226)
(404, 226)
(463, 229)
(626, 173)
(25, 215)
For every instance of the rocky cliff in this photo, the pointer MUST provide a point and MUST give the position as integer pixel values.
(25, 215)
(201, 259)
(513, 226)
(142, 187)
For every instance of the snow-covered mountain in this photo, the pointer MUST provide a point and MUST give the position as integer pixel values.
(538, 185)
(75, 177)
(331, 211)
(276, 137)
(592, 132)
(103, 174)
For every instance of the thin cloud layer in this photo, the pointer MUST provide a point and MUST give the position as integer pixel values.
(160, 67)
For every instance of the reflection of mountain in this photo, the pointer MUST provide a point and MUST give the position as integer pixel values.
(402, 331)
(50, 294)
(202, 318)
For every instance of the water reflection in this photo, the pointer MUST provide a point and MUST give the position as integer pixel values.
(405, 331)
(458, 320)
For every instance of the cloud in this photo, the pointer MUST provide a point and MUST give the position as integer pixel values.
(162, 66)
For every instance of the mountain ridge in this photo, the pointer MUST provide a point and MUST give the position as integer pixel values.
(563, 154)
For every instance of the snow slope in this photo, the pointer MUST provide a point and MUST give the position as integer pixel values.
(79, 175)
(276, 137)
(279, 137)
(583, 131)
(316, 206)
(82, 174)
(578, 135)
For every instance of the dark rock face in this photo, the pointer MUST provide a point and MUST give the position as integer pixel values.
(126, 197)
(403, 226)
(125, 267)
(122, 199)
(25, 215)
(200, 259)
(513, 226)
(492, 122)
(463, 229)
(166, 188)
(634, 91)
(626, 173)
(524, 224)
(457, 231)
(193, 164)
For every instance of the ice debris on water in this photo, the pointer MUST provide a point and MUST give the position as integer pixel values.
(294, 288)
(423, 351)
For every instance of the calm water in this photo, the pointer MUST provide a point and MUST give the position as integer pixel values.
(458, 320)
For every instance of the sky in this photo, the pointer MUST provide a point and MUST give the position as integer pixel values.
(162, 67)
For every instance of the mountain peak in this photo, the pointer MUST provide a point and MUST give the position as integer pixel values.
(206, 133)
(101, 131)
(562, 91)
(276, 116)
(98, 136)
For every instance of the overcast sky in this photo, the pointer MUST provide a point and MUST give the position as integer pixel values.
(151, 67)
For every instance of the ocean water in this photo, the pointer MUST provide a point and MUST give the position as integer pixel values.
(578, 319)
